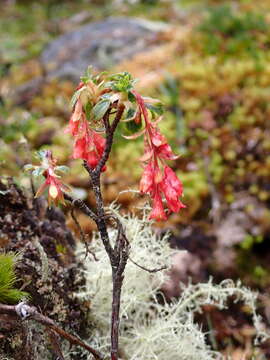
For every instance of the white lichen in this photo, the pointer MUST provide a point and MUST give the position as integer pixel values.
(150, 330)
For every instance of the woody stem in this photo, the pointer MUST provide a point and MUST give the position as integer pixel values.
(118, 254)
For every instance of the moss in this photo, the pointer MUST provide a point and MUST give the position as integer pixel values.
(8, 292)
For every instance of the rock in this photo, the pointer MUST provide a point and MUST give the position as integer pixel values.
(100, 44)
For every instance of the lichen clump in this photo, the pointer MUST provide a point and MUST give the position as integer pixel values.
(150, 328)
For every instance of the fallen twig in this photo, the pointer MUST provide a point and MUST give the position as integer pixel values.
(26, 312)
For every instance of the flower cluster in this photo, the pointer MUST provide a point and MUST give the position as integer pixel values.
(89, 145)
(93, 100)
(158, 178)
(98, 105)
(48, 169)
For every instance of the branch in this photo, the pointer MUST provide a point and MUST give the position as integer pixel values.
(146, 269)
(81, 205)
(110, 129)
(120, 258)
(82, 235)
(24, 312)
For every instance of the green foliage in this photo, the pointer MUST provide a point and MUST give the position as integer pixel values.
(42, 157)
(8, 292)
(222, 19)
(90, 76)
(132, 127)
(231, 32)
(100, 109)
(121, 82)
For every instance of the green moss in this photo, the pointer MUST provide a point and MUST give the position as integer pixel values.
(8, 293)
(226, 31)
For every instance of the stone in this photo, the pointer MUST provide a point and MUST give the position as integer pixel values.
(100, 44)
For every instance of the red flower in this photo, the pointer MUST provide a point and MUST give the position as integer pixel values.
(75, 118)
(165, 152)
(172, 189)
(147, 180)
(157, 212)
(89, 145)
(79, 150)
(158, 179)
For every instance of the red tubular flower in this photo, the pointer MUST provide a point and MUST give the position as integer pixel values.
(173, 181)
(172, 189)
(165, 152)
(79, 150)
(157, 212)
(75, 118)
(158, 179)
(147, 180)
(89, 145)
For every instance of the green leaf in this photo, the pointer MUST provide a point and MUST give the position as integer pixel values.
(41, 154)
(106, 96)
(130, 114)
(121, 82)
(87, 75)
(131, 97)
(108, 84)
(100, 109)
(62, 168)
(28, 167)
(156, 109)
(38, 171)
(75, 97)
(96, 79)
(88, 108)
(132, 127)
(84, 79)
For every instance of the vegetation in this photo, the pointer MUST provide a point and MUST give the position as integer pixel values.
(9, 294)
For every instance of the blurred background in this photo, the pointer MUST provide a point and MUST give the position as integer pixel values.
(208, 61)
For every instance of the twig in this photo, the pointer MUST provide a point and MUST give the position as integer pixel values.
(121, 254)
(110, 129)
(148, 270)
(82, 235)
(81, 205)
(26, 312)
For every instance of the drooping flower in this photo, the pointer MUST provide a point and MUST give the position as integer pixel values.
(146, 183)
(158, 178)
(172, 189)
(75, 119)
(55, 187)
(157, 212)
(88, 144)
